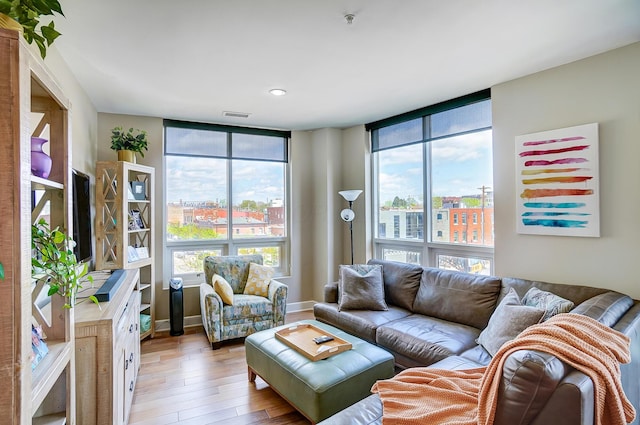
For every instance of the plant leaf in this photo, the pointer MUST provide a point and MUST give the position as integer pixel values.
(5, 7)
(49, 33)
(1, 272)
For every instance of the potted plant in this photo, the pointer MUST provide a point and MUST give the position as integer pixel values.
(27, 13)
(128, 144)
(54, 260)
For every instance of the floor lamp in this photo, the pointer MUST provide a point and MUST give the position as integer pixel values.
(347, 214)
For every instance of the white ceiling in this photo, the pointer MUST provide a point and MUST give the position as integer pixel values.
(193, 59)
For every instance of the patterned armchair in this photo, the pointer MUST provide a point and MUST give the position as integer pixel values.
(249, 313)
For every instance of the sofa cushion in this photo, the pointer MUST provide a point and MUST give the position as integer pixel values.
(223, 289)
(361, 323)
(506, 323)
(456, 363)
(478, 355)
(233, 268)
(258, 280)
(361, 288)
(247, 308)
(547, 301)
(606, 308)
(457, 297)
(575, 293)
(426, 339)
(401, 282)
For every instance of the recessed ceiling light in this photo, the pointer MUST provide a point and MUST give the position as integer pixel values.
(278, 92)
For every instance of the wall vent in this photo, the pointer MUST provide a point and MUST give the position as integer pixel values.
(235, 114)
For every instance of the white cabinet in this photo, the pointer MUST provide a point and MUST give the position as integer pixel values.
(108, 354)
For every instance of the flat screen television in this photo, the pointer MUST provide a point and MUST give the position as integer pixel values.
(81, 192)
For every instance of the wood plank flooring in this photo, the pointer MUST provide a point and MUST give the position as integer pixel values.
(182, 381)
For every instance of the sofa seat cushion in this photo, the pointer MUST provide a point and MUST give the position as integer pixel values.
(456, 363)
(426, 339)
(362, 323)
(247, 308)
(478, 355)
(457, 297)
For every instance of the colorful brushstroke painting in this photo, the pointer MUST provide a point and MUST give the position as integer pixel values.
(557, 187)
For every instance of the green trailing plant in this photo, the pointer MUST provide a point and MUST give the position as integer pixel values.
(28, 13)
(121, 140)
(53, 259)
(1, 272)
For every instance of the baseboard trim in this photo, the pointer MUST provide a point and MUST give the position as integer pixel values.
(193, 321)
(300, 306)
(189, 322)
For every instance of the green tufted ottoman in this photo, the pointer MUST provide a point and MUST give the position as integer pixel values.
(317, 389)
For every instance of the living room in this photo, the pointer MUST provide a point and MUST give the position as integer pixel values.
(598, 84)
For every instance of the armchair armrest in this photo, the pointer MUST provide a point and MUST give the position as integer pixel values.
(211, 312)
(278, 297)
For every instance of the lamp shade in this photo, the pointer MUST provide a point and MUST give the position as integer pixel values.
(347, 215)
(350, 195)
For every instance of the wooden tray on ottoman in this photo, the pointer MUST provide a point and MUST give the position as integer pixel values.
(300, 337)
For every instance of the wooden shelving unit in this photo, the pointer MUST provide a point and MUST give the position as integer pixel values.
(119, 244)
(32, 104)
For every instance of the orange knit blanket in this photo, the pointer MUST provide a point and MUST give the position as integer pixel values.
(469, 397)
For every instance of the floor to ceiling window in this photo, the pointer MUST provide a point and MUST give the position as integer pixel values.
(225, 193)
(432, 173)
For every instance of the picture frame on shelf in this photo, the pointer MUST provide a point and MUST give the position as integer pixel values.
(135, 220)
(138, 190)
(142, 252)
(132, 254)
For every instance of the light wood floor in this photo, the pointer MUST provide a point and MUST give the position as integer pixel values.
(182, 381)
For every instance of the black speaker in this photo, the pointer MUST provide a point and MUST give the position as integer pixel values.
(176, 306)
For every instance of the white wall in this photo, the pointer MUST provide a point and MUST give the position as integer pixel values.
(356, 174)
(84, 118)
(603, 89)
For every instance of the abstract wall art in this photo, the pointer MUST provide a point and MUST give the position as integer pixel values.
(557, 187)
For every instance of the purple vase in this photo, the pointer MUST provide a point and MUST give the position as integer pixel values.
(40, 161)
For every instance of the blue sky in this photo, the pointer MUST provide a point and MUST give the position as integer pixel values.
(460, 165)
(204, 179)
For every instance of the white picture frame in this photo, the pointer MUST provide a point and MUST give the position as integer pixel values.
(557, 182)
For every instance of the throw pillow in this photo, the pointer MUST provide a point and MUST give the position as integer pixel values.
(223, 289)
(550, 303)
(258, 280)
(507, 321)
(361, 288)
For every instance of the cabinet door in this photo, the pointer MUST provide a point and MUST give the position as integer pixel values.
(119, 387)
(131, 367)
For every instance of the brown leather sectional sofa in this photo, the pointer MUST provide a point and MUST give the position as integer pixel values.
(435, 317)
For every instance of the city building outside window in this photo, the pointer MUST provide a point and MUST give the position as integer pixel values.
(432, 179)
(225, 192)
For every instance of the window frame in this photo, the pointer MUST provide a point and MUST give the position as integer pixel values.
(229, 245)
(429, 250)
